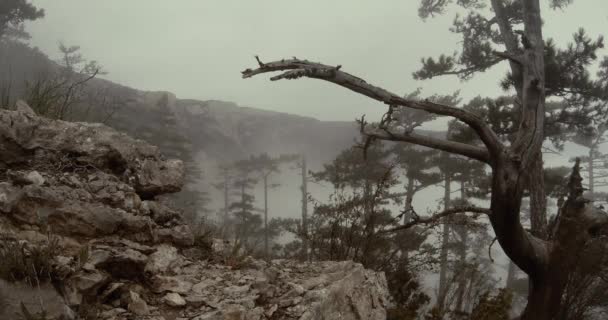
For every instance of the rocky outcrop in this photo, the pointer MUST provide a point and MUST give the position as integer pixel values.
(127, 255)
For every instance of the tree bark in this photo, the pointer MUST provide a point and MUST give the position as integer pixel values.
(238, 235)
(543, 298)
(409, 195)
(462, 250)
(266, 249)
(538, 199)
(443, 255)
(590, 170)
(511, 275)
(576, 223)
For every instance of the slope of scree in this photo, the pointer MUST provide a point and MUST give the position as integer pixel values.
(96, 194)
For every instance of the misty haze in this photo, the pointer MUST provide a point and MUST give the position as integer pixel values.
(268, 160)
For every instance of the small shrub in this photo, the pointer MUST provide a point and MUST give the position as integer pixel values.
(203, 237)
(203, 241)
(30, 264)
(493, 307)
(83, 255)
(3, 302)
(27, 315)
(236, 258)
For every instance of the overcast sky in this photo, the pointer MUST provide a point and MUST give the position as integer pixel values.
(197, 48)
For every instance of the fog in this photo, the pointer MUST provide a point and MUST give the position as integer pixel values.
(175, 70)
(196, 49)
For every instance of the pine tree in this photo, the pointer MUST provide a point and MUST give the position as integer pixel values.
(12, 15)
(247, 223)
(510, 31)
(266, 166)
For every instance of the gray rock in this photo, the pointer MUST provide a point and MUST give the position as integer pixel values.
(196, 301)
(35, 178)
(137, 305)
(95, 144)
(84, 220)
(229, 312)
(162, 284)
(160, 261)
(179, 235)
(87, 281)
(158, 177)
(160, 213)
(273, 308)
(22, 107)
(236, 290)
(174, 300)
(111, 288)
(120, 263)
(112, 313)
(366, 290)
(203, 285)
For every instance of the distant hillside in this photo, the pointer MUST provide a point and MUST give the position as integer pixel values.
(223, 130)
(202, 133)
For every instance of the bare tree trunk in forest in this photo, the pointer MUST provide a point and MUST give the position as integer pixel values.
(304, 187)
(443, 255)
(590, 170)
(226, 200)
(409, 195)
(462, 250)
(238, 233)
(266, 248)
(408, 213)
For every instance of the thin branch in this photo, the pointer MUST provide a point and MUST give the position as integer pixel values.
(467, 150)
(550, 151)
(468, 71)
(434, 218)
(490, 249)
(296, 68)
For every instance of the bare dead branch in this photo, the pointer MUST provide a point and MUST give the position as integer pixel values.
(490, 249)
(436, 217)
(467, 150)
(296, 68)
(550, 151)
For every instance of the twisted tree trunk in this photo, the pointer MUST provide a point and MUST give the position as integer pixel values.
(547, 260)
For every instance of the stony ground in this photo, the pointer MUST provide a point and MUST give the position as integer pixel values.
(125, 254)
